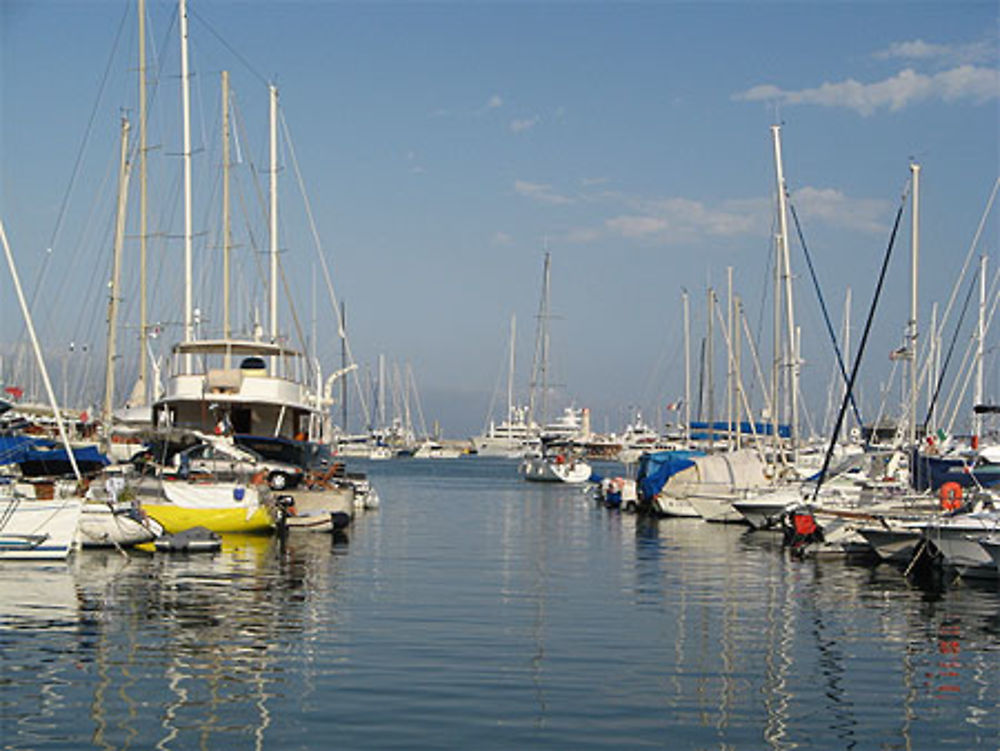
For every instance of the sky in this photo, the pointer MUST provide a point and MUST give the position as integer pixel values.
(432, 152)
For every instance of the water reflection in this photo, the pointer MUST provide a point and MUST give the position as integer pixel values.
(167, 651)
(475, 611)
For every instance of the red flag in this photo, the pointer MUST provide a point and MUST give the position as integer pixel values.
(15, 391)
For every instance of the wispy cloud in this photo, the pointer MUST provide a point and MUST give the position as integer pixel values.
(495, 102)
(524, 124)
(540, 192)
(673, 220)
(951, 54)
(637, 226)
(966, 82)
(501, 239)
(834, 208)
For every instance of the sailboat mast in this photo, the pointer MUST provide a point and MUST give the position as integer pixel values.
(977, 398)
(912, 324)
(343, 364)
(786, 272)
(687, 366)
(510, 374)
(539, 366)
(186, 110)
(143, 304)
(226, 219)
(38, 350)
(545, 338)
(274, 211)
(109, 373)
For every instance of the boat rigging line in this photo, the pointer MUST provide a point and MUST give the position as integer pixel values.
(974, 283)
(822, 305)
(861, 347)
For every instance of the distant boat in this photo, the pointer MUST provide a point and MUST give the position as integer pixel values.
(556, 468)
(431, 449)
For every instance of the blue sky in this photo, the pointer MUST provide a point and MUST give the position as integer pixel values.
(443, 145)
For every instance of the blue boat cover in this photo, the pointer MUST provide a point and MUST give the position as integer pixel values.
(13, 448)
(656, 468)
(18, 449)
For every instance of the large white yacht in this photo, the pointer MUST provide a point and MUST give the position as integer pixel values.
(243, 387)
(513, 438)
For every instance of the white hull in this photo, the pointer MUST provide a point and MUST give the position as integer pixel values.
(958, 540)
(546, 469)
(765, 509)
(892, 543)
(716, 509)
(38, 530)
(121, 525)
(666, 505)
(315, 510)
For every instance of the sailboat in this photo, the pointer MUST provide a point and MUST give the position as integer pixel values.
(559, 459)
(515, 436)
(39, 525)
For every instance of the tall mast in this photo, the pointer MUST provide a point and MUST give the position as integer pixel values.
(786, 272)
(730, 375)
(687, 366)
(143, 305)
(539, 367)
(343, 364)
(109, 373)
(186, 108)
(709, 366)
(38, 350)
(737, 343)
(977, 398)
(510, 374)
(226, 219)
(274, 212)
(912, 325)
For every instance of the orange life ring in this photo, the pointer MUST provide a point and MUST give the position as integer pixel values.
(951, 496)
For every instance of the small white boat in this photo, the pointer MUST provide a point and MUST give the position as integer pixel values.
(320, 509)
(431, 449)
(557, 468)
(108, 520)
(119, 524)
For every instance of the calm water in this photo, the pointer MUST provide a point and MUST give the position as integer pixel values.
(474, 610)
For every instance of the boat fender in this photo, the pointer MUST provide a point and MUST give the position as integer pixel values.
(339, 520)
(950, 494)
(239, 493)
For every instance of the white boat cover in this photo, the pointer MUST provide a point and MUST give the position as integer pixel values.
(213, 495)
(724, 473)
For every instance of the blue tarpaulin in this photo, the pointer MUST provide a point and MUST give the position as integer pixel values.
(42, 456)
(14, 448)
(656, 468)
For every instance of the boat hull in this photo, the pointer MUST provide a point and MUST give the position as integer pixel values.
(320, 510)
(120, 525)
(222, 520)
(542, 469)
(38, 530)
